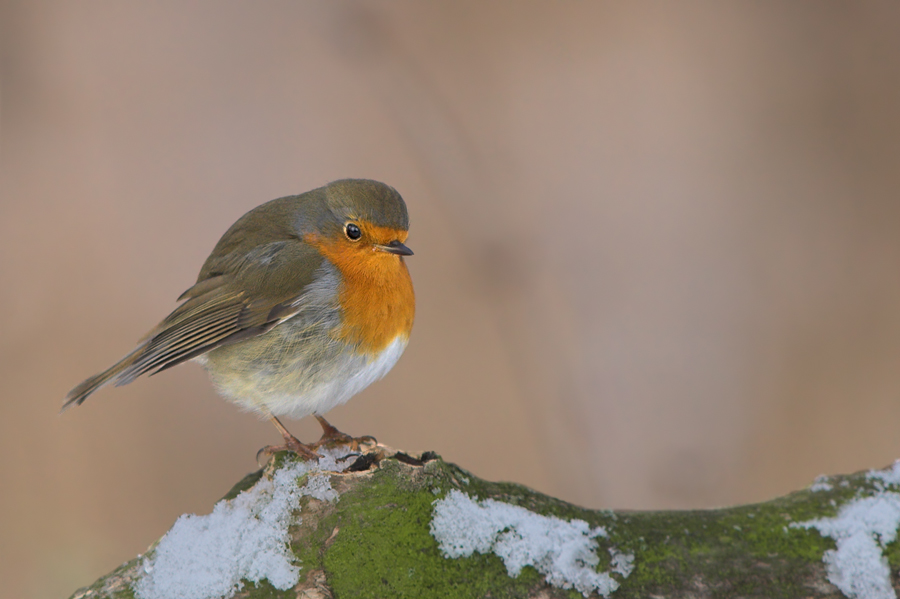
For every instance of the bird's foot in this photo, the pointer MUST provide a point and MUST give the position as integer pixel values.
(332, 437)
(291, 443)
(354, 443)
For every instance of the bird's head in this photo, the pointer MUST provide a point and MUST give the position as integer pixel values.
(362, 223)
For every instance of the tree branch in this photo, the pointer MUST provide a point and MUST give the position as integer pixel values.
(386, 524)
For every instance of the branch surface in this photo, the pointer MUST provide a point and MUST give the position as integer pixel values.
(387, 524)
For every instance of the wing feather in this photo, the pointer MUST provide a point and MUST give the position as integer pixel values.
(219, 310)
(254, 279)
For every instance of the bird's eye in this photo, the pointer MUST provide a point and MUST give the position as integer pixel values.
(352, 231)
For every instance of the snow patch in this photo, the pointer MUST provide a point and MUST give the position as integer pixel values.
(821, 484)
(622, 563)
(564, 552)
(318, 486)
(245, 538)
(861, 530)
(883, 478)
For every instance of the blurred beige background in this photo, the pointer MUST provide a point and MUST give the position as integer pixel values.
(657, 244)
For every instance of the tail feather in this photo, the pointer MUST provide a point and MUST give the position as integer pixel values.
(81, 392)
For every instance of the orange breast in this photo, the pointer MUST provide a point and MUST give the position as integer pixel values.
(376, 295)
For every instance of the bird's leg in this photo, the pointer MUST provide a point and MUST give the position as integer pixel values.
(291, 443)
(329, 433)
(332, 436)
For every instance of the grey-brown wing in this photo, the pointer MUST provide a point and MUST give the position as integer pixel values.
(243, 297)
(258, 275)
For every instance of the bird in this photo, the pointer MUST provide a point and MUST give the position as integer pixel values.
(304, 302)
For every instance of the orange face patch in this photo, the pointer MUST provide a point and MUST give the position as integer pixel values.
(376, 296)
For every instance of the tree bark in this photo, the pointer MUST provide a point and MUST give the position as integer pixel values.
(374, 538)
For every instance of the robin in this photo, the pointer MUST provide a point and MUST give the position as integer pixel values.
(304, 302)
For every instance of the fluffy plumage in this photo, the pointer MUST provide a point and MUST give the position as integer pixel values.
(288, 314)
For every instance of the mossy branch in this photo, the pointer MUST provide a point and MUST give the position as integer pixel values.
(374, 539)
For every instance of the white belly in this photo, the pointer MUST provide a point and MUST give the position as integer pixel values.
(298, 384)
(357, 373)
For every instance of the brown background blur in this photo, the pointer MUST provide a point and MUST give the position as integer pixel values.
(657, 245)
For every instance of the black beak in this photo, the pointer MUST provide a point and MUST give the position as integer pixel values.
(395, 247)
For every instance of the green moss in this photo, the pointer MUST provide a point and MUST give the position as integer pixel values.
(750, 550)
(384, 547)
(391, 517)
(245, 483)
(375, 541)
(115, 585)
(310, 536)
(892, 553)
(453, 476)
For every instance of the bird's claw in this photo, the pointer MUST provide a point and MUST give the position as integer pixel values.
(303, 451)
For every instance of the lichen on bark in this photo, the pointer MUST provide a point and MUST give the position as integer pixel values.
(375, 541)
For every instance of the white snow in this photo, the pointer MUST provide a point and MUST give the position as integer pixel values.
(861, 530)
(820, 484)
(564, 552)
(245, 538)
(622, 563)
(888, 477)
